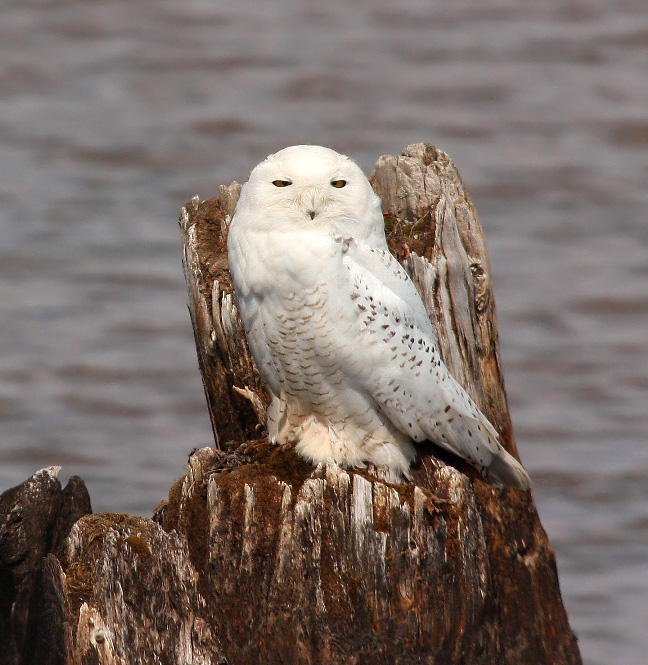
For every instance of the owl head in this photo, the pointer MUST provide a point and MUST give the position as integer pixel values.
(309, 186)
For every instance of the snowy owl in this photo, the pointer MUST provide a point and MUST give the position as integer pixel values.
(337, 329)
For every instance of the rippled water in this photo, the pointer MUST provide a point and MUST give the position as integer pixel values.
(113, 114)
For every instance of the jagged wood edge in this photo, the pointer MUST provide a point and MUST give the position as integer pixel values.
(234, 393)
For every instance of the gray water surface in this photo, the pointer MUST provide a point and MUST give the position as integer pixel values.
(114, 114)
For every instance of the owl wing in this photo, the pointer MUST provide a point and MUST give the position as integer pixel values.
(403, 371)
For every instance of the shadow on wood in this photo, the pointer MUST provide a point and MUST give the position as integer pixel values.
(258, 557)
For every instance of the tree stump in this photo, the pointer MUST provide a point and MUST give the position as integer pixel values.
(258, 557)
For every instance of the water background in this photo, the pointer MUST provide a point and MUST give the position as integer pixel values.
(114, 114)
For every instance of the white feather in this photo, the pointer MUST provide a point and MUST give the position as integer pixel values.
(337, 328)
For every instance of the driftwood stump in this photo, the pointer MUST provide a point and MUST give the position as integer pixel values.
(256, 557)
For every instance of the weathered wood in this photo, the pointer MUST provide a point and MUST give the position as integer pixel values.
(258, 557)
(35, 519)
(333, 566)
(223, 356)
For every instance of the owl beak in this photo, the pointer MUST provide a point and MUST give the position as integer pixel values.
(313, 200)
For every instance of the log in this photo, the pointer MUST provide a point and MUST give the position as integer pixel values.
(258, 557)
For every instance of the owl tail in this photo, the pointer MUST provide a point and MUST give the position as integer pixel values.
(505, 469)
(476, 440)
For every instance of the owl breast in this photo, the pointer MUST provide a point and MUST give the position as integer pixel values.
(304, 341)
(301, 340)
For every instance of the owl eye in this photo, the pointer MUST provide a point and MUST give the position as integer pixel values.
(281, 183)
(338, 183)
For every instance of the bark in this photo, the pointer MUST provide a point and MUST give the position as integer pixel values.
(258, 557)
